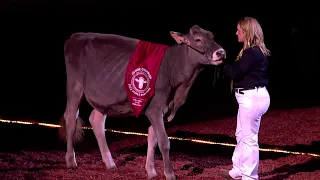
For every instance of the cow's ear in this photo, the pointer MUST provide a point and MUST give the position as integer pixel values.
(178, 37)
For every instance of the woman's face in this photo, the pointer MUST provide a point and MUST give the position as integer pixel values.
(240, 34)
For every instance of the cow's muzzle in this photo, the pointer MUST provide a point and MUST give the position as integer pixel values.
(219, 54)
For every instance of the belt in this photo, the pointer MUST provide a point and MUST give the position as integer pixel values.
(240, 90)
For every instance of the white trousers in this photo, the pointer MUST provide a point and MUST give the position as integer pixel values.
(252, 105)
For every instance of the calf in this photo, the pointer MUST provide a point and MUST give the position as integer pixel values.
(122, 76)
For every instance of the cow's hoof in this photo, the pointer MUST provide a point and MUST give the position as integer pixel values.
(171, 177)
(170, 118)
(72, 168)
(111, 167)
(71, 161)
(152, 174)
(73, 165)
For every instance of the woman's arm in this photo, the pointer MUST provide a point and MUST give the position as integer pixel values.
(238, 69)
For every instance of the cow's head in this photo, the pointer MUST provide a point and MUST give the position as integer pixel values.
(202, 41)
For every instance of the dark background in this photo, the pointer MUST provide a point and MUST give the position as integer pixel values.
(33, 34)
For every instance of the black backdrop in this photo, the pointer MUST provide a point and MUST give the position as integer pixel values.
(32, 64)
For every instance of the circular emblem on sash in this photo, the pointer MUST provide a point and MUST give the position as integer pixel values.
(140, 82)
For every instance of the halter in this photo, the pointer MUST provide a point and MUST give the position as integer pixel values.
(204, 53)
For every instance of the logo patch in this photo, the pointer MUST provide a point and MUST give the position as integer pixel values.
(140, 82)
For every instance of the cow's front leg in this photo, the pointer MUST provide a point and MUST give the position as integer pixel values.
(152, 144)
(178, 100)
(97, 121)
(155, 115)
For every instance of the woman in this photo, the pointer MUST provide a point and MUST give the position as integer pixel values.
(249, 76)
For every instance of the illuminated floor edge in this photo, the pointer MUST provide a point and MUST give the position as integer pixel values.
(170, 137)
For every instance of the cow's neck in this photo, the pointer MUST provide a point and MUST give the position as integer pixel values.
(187, 67)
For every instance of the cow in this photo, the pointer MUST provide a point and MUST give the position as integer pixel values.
(96, 67)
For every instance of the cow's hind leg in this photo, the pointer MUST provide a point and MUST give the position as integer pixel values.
(71, 113)
(155, 115)
(97, 121)
(152, 144)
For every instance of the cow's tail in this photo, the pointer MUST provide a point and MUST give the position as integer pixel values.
(78, 135)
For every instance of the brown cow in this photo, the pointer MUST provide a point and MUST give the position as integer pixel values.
(97, 66)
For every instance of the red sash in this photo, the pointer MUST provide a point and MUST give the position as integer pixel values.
(142, 73)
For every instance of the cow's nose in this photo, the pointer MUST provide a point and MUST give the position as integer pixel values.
(221, 53)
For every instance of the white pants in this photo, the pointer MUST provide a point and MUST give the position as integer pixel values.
(252, 105)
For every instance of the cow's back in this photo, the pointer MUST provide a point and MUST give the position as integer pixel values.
(100, 62)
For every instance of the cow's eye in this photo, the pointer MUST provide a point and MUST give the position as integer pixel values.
(198, 40)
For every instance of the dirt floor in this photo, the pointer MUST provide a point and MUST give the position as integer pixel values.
(33, 152)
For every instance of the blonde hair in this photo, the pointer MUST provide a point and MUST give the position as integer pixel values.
(253, 34)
